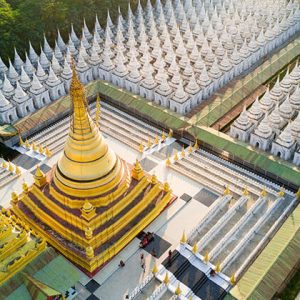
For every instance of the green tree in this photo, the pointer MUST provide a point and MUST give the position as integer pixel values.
(6, 24)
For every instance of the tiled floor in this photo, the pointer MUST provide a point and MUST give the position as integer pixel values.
(25, 161)
(185, 197)
(206, 197)
(44, 168)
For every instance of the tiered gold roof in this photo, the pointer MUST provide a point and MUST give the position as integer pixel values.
(93, 203)
(18, 245)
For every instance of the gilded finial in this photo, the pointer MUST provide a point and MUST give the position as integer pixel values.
(27, 144)
(153, 179)
(48, 152)
(10, 167)
(196, 146)
(18, 170)
(89, 252)
(41, 149)
(168, 161)
(88, 233)
(232, 279)
(182, 152)
(137, 171)
(178, 290)
(281, 192)
(163, 136)
(166, 279)
(21, 142)
(149, 143)
(206, 257)
(195, 248)
(227, 191)
(190, 148)
(154, 269)
(4, 164)
(25, 187)
(298, 193)
(34, 147)
(176, 155)
(98, 110)
(263, 192)
(156, 140)
(218, 267)
(170, 133)
(166, 187)
(14, 198)
(183, 238)
(141, 147)
(246, 192)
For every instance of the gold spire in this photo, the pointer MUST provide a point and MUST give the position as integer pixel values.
(297, 194)
(34, 147)
(218, 267)
(41, 149)
(170, 133)
(4, 164)
(154, 269)
(246, 192)
(196, 146)
(141, 147)
(21, 142)
(27, 144)
(98, 110)
(86, 157)
(10, 167)
(190, 148)
(163, 136)
(149, 143)
(48, 152)
(137, 172)
(281, 192)
(168, 161)
(195, 248)
(18, 170)
(182, 152)
(183, 238)
(178, 290)
(166, 187)
(263, 193)
(156, 140)
(206, 257)
(176, 155)
(166, 279)
(39, 177)
(227, 191)
(232, 279)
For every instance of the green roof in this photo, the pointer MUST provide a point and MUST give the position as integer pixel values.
(7, 130)
(38, 289)
(273, 265)
(245, 152)
(50, 268)
(20, 293)
(59, 274)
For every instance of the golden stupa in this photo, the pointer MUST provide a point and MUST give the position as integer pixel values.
(92, 203)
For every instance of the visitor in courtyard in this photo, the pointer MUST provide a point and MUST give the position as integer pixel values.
(143, 262)
(170, 257)
(121, 264)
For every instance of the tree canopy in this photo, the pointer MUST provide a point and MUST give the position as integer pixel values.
(22, 21)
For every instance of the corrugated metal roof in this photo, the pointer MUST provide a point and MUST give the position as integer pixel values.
(243, 151)
(273, 265)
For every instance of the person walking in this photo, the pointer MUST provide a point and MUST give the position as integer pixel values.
(143, 262)
(170, 257)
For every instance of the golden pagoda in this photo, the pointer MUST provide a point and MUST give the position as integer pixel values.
(92, 203)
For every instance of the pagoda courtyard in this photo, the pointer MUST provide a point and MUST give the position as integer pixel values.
(92, 203)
